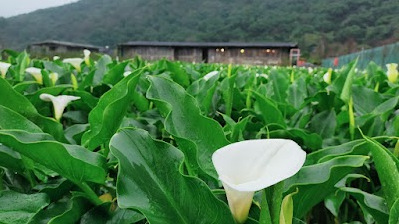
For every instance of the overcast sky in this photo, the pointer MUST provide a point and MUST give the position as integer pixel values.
(15, 7)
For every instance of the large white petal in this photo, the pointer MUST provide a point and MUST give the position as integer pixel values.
(59, 103)
(36, 73)
(210, 75)
(75, 62)
(253, 165)
(3, 68)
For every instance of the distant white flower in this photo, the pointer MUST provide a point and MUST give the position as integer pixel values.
(262, 75)
(310, 70)
(4, 68)
(55, 58)
(54, 77)
(87, 56)
(75, 62)
(327, 76)
(59, 103)
(210, 75)
(127, 73)
(252, 165)
(36, 73)
(392, 72)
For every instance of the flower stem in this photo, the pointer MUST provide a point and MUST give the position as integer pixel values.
(265, 217)
(89, 193)
(351, 119)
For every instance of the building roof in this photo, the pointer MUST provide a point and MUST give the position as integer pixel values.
(65, 43)
(211, 44)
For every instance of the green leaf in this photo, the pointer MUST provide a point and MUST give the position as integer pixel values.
(12, 120)
(11, 159)
(185, 122)
(334, 201)
(315, 182)
(287, 209)
(387, 166)
(150, 182)
(280, 85)
(269, 111)
(20, 104)
(324, 124)
(346, 93)
(71, 161)
(297, 93)
(16, 208)
(178, 74)
(107, 116)
(394, 213)
(115, 74)
(101, 70)
(374, 205)
(102, 214)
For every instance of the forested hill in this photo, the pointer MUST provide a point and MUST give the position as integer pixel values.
(321, 27)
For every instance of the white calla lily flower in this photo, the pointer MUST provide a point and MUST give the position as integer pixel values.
(87, 56)
(54, 77)
(36, 73)
(127, 73)
(210, 75)
(75, 62)
(59, 103)
(252, 165)
(327, 76)
(4, 68)
(55, 58)
(392, 72)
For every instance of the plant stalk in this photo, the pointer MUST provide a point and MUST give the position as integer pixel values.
(265, 217)
(89, 193)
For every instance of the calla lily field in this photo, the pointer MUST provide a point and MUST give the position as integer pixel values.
(129, 141)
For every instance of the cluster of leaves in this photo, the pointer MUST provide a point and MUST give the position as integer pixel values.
(137, 148)
(320, 27)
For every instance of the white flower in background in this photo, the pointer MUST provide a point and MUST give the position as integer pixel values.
(36, 73)
(55, 58)
(262, 75)
(54, 77)
(75, 62)
(87, 56)
(59, 103)
(210, 75)
(327, 76)
(4, 68)
(310, 70)
(127, 73)
(392, 72)
(252, 165)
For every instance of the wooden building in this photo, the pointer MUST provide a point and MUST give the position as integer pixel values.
(51, 48)
(224, 52)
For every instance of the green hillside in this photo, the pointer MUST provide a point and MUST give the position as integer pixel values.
(321, 27)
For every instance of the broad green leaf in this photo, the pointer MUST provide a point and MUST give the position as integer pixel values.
(11, 159)
(115, 74)
(203, 91)
(394, 213)
(102, 214)
(70, 161)
(268, 110)
(149, 181)
(315, 182)
(376, 206)
(324, 124)
(101, 69)
(387, 166)
(311, 140)
(297, 93)
(227, 86)
(365, 100)
(346, 93)
(17, 208)
(178, 74)
(76, 207)
(107, 116)
(185, 122)
(334, 201)
(280, 85)
(13, 120)
(20, 104)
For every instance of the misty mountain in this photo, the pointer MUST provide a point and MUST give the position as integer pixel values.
(321, 27)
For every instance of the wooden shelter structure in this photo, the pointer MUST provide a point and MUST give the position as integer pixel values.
(60, 48)
(271, 53)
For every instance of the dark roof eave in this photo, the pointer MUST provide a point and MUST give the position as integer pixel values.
(209, 44)
(68, 44)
